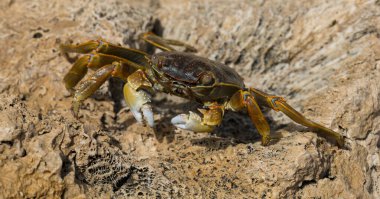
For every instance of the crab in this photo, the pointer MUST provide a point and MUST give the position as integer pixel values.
(182, 73)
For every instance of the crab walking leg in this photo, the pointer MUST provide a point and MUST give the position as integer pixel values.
(279, 104)
(164, 44)
(90, 85)
(242, 100)
(104, 47)
(212, 117)
(93, 61)
(76, 73)
(82, 48)
(93, 82)
(138, 99)
(258, 120)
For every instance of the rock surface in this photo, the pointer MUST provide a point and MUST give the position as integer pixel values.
(322, 56)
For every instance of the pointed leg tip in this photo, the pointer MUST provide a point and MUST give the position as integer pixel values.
(75, 109)
(341, 142)
(75, 114)
(265, 140)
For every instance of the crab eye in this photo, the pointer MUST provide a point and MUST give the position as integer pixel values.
(207, 79)
(159, 63)
(156, 61)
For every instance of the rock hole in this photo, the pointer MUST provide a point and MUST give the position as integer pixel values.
(37, 35)
(120, 182)
(333, 23)
(240, 58)
(66, 166)
(307, 182)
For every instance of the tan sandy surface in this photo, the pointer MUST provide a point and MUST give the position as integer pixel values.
(322, 56)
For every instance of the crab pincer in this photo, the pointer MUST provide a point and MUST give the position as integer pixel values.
(139, 103)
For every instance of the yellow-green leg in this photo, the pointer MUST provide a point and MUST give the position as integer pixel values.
(113, 60)
(76, 73)
(104, 47)
(165, 44)
(93, 61)
(242, 100)
(107, 59)
(90, 85)
(87, 87)
(279, 104)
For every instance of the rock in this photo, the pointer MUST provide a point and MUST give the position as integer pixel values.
(321, 56)
(8, 130)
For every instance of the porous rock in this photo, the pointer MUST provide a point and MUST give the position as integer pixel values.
(323, 57)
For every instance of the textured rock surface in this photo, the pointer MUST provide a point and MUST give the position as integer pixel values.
(322, 56)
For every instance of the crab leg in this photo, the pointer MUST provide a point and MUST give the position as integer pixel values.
(164, 44)
(94, 81)
(93, 61)
(110, 60)
(90, 85)
(101, 53)
(244, 100)
(76, 73)
(279, 104)
(104, 47)
(82, 48)
(212, 117)
(258, 120)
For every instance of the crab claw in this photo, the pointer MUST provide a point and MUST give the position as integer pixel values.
(144, 114)
(138, 102)
(192, 122)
